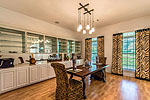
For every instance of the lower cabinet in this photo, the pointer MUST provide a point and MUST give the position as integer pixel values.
(50, 71)
(8, 80)
(79, 62)
(67, 64)
(13, 78)
(34, 74)
(43, 72)
(22, 76)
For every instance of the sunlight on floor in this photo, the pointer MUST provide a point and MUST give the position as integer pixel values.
(129, 90)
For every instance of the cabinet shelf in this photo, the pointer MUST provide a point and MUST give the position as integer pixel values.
(12, 46)
(11, 41)
(9, 35)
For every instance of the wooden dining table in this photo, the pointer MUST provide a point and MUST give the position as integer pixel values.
(83, 71)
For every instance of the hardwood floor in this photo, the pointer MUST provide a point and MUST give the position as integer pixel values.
(115, 88)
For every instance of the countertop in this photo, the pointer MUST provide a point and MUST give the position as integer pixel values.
(30, 65)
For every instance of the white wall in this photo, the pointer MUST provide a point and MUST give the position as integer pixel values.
(108, 31)
(17, 20)
(14, 20)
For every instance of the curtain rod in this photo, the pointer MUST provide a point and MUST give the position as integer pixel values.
(132, 30)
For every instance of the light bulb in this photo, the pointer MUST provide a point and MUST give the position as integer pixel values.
(80, 27)
(90, 32)
(93, 30)
(84, 31)
(87, 27)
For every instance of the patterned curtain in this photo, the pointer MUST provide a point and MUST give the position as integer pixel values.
(142, 54)
(117, 54)
(88, 42)
(100, 46)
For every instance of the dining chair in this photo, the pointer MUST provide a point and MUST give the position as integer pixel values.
(67, 89)
(100, 75)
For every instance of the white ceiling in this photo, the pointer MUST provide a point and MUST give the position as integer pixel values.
(65, 11)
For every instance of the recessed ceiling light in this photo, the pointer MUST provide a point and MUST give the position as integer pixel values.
(57, 22)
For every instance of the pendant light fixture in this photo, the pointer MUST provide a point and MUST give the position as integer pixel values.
(79, 21)
(90, 31)
(89, 24)
(84, 31)
(93, 29)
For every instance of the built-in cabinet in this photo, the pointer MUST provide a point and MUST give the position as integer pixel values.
(12, 41)
(16, 41)
(50, 71)
(34, 74)
(23, 75)
(8, 80)
(43, 72)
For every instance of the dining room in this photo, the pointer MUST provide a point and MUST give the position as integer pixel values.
(74, 50)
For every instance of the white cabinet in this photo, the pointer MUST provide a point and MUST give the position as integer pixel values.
(13, 78)
(8, 80)
(51, 72)
(79, 62)
(22, 76)
(67, 64)
(43, 72)
(34, 74)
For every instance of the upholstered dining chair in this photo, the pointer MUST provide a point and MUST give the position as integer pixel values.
(101, 74)
(66, 89)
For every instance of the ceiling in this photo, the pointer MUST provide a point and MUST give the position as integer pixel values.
(65, 11)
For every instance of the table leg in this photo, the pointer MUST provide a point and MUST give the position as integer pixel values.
(71, 76)
(103, 76)
(83, 80)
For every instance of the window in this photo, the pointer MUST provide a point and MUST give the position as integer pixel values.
(94, 50)
(128, 53)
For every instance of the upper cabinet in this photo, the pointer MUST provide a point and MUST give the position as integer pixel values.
(50, 44)
(62, 45)
(77, 47)
(12, 41)
(16, 41)
(35, 43)
(71, 46)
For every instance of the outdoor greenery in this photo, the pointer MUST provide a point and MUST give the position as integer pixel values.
(94, 50)
(128, 51)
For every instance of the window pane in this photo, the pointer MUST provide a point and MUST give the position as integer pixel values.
(128, 51)
(94, 50)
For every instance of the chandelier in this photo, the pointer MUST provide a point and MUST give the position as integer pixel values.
(87, 23)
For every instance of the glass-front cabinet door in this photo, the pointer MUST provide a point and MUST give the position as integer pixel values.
(18, 41)
(77, 47)
(62, 45)
(70, 48)
(50, 44)
(35, 43)
(12, 41)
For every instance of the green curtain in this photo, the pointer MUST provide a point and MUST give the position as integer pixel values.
(143, 54)
(100, 46)
(88, 43)
(117, 54)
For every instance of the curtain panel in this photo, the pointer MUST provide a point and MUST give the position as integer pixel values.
(100, 46)
(88, 43)
(117, 54)
(143, 54)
